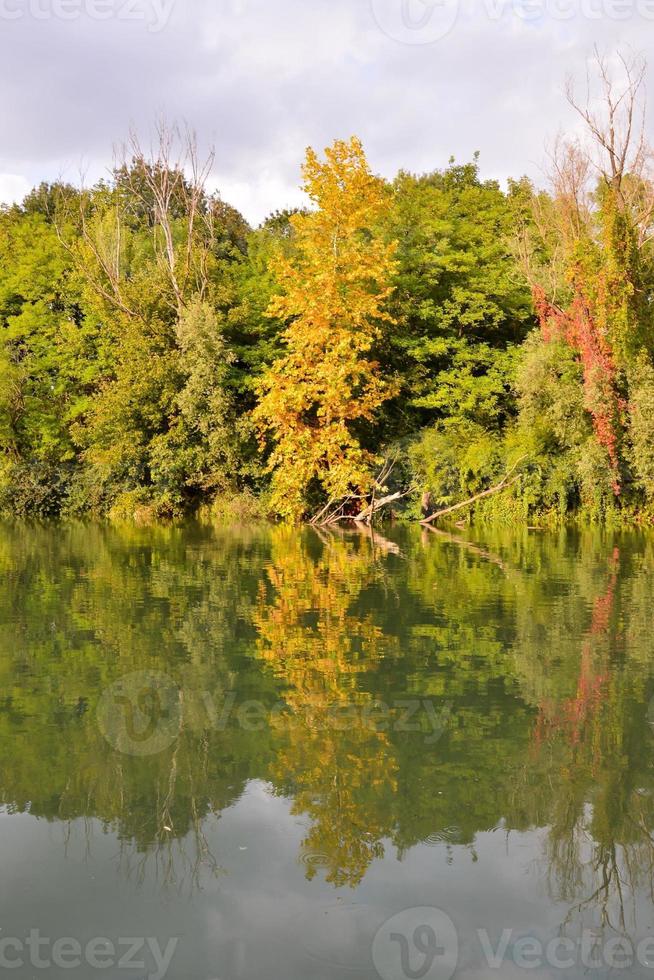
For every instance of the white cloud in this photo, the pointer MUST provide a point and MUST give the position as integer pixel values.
(13, 188)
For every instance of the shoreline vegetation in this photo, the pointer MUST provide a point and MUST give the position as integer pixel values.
(433, 347)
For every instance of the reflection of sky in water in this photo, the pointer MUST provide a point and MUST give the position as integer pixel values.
(259, 916)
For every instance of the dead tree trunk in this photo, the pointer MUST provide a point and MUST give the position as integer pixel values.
(376, 505)
(427, 505)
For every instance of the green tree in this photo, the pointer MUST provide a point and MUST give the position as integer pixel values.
(461, 303)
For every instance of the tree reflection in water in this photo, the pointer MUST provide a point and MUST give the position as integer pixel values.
(536, 649)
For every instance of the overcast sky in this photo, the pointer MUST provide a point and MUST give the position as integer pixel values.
(262, 79)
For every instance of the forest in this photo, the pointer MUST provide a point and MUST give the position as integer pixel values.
(423, 340)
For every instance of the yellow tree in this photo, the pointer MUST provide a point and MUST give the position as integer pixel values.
(334, 289)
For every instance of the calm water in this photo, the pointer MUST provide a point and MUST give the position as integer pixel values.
(284, 755)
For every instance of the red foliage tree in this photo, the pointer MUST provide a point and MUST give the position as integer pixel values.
(578, 327)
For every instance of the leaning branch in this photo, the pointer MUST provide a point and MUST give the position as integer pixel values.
(503, 485)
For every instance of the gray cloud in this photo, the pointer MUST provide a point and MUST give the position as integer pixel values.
(264, 80)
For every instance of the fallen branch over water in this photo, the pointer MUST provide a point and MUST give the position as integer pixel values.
(503, 485)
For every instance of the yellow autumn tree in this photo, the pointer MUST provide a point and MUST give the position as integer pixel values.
(334, 289)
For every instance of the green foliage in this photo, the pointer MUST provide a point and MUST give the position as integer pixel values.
(556, 432)
(641, 429)
(117, 387)
(206, 411)
(456, 460)
(43, 341)
(148, 335)
(562, 466)
(462, 305)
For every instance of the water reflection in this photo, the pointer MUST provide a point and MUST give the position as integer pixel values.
(376, 697)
